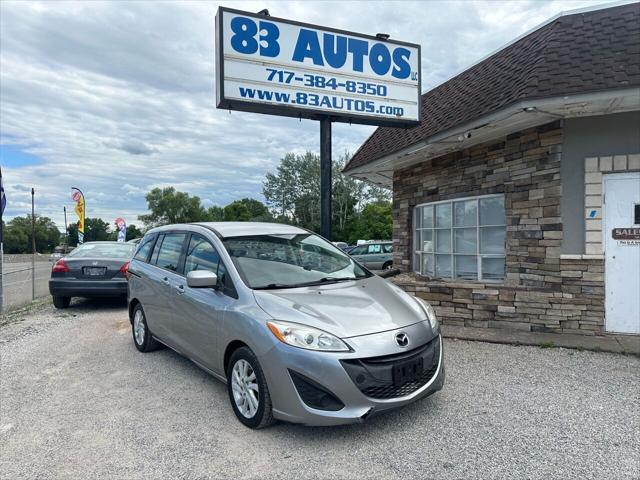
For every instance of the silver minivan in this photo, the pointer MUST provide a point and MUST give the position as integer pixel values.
(297, 329)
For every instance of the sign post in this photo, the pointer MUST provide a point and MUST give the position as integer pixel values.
(282, 67)
(325, 177)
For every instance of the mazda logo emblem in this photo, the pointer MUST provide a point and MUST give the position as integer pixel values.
(402, 339)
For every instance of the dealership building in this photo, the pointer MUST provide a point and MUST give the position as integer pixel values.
(516, 200)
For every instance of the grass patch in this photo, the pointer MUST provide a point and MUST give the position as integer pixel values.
(19, 313)
(547, 345)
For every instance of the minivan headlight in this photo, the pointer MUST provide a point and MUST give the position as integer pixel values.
(303, 336)
(429, 311)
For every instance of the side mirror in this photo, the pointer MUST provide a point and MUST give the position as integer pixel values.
(202, 279)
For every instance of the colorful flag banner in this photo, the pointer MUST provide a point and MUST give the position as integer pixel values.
(121, 225)
(78, 197)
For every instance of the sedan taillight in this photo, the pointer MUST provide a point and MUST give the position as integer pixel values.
(124, 269)
(60, 266)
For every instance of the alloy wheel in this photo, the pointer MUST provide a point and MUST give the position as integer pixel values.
(244, 385)
(139, 329)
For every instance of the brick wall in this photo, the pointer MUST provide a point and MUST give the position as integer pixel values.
(542, 291)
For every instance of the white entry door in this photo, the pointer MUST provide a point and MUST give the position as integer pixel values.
(621, 214)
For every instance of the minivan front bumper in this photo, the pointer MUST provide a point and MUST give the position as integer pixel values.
(328, 370)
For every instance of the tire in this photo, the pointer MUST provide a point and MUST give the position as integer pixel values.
(387, 266)
(142, 338)
(259, 417)
(61, 302)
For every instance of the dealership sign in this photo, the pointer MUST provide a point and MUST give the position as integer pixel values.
(281, 67)
(626, 236)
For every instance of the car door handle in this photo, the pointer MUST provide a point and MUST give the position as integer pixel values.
(180, 289)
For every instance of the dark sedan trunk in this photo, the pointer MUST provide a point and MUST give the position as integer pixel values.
(93, 268)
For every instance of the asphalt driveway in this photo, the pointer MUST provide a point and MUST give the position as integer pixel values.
(78, 401)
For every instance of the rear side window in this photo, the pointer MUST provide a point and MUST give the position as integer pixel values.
(388, 248)
(168, 252)
(145, 248)
(374, 248)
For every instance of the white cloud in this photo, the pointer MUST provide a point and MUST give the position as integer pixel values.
(117, 98)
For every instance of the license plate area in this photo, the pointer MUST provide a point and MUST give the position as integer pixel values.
(404, 372)
(94, 271)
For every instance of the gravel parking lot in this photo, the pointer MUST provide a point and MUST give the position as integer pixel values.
(78, 401)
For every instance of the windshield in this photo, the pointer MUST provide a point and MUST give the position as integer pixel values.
(284, 261)
(103, 250)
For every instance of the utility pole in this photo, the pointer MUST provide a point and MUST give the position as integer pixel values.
(1, 246)
(33, 245)
(325, 177)
(66, 231)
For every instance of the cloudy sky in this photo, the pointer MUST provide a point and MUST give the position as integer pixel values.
(119, 97)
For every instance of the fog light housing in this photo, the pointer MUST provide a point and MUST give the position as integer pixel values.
(315, 395)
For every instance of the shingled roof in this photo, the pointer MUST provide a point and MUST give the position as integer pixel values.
(576, 53)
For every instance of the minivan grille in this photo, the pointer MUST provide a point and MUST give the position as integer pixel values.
(384, 392)
(374, 376)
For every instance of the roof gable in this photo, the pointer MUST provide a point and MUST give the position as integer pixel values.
(578, 53)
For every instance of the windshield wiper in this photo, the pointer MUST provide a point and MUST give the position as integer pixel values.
(326, 280)
(275, 286)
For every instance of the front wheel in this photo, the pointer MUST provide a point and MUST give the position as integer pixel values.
(387, 266)
(248, 391)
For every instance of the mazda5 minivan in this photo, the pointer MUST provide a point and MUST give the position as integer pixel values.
(297, 329)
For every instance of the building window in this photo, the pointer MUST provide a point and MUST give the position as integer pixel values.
(461, 239)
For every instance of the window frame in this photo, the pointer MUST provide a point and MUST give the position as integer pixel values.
(364, 245)
(418, 254)
(150, 239)
(180, 266)
(228, 290)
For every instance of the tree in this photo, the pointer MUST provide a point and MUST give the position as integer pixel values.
(374, 223)
(293, 193)
(95, 229)
(166, 206)
(215, 214)
(133, 232)
(18, 235)
(246, 210)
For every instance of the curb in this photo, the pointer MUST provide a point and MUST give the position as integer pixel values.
(623, 344)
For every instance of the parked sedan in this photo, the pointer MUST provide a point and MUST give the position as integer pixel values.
(296, 329)
(94, 269)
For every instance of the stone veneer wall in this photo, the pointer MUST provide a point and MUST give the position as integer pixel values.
(542, 291)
